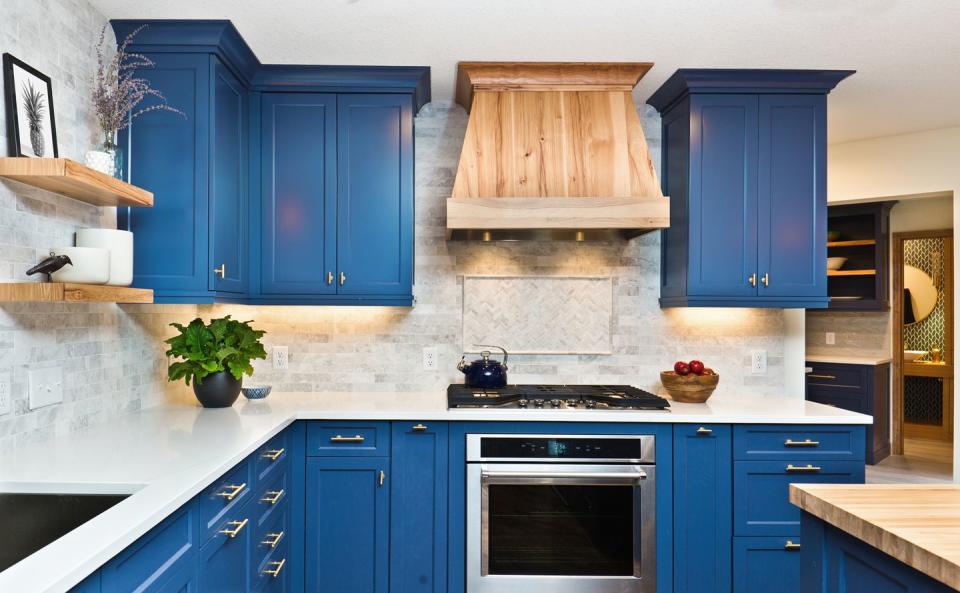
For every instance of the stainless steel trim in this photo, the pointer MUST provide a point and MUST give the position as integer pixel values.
(648, 448)
(544, 475)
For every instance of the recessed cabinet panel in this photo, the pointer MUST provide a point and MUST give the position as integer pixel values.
(299, 242)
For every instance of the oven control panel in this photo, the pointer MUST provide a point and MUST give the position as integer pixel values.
(565, 448)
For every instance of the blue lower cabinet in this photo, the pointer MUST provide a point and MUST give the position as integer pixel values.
(224, 559)
(91, 584)
(766, 565)
(418, 507)
(703, 500)
(347, 525)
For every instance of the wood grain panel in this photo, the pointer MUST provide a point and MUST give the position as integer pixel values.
(73, 293)
(71, 179)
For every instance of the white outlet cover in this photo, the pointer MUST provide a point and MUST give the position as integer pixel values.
(831, 338)
(758, 362)
(46, 387)
(6, 395)
(430, 358)
(281, 358)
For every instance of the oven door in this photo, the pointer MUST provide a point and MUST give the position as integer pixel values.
(561, 528)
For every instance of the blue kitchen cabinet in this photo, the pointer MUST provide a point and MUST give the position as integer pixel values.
(224, 564)
(418, 507)
(702, 522)
(744, 164)
(91, 584)
(766, 564)
(347, 525)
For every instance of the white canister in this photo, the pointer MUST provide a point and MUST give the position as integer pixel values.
(120, 246)
(90, 265)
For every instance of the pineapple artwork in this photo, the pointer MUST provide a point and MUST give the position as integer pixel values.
(35, 109)
(28, 94)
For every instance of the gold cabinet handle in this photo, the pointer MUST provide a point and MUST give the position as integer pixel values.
(273, 496)
(383, 477)
(343, 439)
(273, 454)
(829, 377)
(703, 431)
(765, 280)
(419, 427)
(343, 278)
(273, 539)
(803, 443)
(791, 546)
(232, 491)
(221, 271)
(799, 469)
(753, 279)
(277, 567)
(329, 278)
(237, 528)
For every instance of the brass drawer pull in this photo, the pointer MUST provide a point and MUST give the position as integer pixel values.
(799, 469)
(791, 546)
(419, 428)
(765, 280)
(221, 271)
(237, 528)
(275, 572)
(803, 443)
(232, 491)
(752, 280)
(343, 278)
(828, 377)
(342, 439)
(273, 454)
(273, 496)
(704, 431)
(383, 477)
(273, 539)
(329, 277)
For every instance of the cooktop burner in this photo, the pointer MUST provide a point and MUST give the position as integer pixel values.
(581, 397)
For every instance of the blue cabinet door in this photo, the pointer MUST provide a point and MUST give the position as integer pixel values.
(418, 508)
(298, 194)
(375, 194)
(347, 523)
(723, 196)
(91, 584)
(766, 565)
(168, 155)
(793, 196)
(228, 184)
(703, 507)
(225, 559)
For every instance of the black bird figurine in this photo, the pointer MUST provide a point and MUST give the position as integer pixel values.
(50, 265)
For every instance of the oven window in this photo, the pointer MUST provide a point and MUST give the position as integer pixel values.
(560, 530)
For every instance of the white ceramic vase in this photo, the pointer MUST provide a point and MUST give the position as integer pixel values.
(120, 246)
(90, 265)
(102, 161)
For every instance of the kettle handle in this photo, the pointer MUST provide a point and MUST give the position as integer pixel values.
(500, 348)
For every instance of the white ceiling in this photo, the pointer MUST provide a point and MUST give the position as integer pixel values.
(906, 52)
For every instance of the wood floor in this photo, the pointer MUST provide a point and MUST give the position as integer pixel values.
(923, 462)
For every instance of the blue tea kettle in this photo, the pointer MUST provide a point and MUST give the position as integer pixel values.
(485, 373)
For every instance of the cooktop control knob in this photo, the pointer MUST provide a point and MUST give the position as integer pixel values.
(522, 403)
(555, 403)
(538, 403)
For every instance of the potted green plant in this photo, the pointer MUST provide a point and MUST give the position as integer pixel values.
(215, 356)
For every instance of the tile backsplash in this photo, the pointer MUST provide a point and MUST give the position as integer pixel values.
(112, 356)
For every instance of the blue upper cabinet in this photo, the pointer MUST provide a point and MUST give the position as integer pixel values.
(282, 185)
(744, 163)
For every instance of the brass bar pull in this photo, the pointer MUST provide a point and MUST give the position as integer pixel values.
(329, 278)
(343, 439)
(221, 271)
(343, 278)
(237, 528)
(273, 496)
(278, 566)
(803, 443)
(791, 546)
(232, 491)
(830, 377)
(703, 430)
(273, 539)
(800, 469)
(752, 279)
(419, 428)
(273, 454)
(383, 477)
(765, 280)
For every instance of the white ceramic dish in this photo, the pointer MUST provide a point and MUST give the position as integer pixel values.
(120, 246)
(835, 263)
(913, 355)
(91, 265)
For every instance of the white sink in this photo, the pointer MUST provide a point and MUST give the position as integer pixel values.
(912, 355)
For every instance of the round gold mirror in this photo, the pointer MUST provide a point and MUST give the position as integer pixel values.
(919, 295)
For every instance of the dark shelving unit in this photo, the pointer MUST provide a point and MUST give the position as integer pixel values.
(860, 233)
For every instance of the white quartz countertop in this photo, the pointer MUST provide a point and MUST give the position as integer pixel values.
(871, 360)
(166, 455)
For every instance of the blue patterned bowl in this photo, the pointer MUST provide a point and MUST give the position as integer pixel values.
(256, 391)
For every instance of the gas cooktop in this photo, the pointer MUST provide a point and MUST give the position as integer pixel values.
(580, 397)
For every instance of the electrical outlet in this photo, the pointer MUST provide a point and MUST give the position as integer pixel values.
(758, 362)
(281, 358)
(46, 387)
(430, 358)
(831, 338)
(6, 397)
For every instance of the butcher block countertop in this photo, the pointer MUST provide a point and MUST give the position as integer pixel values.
(918, 524)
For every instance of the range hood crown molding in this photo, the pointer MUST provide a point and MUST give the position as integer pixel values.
(553, 150)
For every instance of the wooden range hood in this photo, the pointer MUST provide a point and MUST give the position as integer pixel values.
(553, 150)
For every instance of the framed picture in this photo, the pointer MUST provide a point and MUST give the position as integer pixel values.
(31, 127)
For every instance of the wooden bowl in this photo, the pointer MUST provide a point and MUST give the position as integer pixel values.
(693, 389)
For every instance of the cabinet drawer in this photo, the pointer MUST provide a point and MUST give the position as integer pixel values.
(272, 572)
(766, 565)
(343, 439)
(224, 496)
(761, 504)
(271, 539)
(271, 496)
(847, 377)
(853, 402)
(270, 456)
(801, 441)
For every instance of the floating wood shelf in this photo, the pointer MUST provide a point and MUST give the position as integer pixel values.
(851, 272)
(71, 179)
(60, 292)
(856, 243)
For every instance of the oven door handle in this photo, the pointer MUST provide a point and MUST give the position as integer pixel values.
(502, 477)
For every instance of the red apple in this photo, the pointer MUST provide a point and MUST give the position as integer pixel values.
(681, 368)
(696, 367)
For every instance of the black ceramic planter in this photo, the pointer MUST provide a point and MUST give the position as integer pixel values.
(218, 390)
